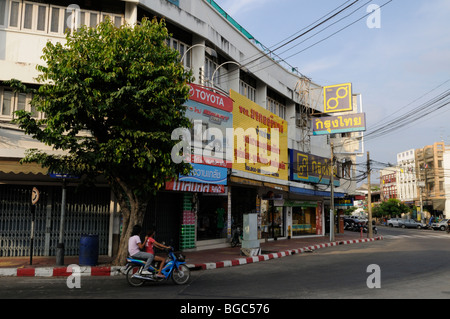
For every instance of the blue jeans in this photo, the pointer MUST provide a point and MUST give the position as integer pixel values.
(145, 255)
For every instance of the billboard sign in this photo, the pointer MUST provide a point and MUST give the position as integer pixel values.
(260, 139)
(339, 124)
(337, 98)
(206, 174)
(310, 168)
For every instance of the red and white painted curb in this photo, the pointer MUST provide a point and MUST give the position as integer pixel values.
(255, 259)
(117, 270)
(60, 271)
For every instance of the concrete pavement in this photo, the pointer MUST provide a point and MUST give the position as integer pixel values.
(196, 260)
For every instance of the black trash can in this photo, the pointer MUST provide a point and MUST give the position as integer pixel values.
(88, 250)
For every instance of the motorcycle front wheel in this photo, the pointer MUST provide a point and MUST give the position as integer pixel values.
(181, 275)
(132, 281)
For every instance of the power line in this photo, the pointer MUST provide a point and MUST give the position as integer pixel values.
(259, 56)
(312, 45)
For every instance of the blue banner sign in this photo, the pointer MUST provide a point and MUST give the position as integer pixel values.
(206, 174)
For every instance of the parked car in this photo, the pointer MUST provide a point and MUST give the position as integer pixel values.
(411, 223)
(394, 222)
(360, 218)
(442, 225)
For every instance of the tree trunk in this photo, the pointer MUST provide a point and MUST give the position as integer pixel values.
(133, 216)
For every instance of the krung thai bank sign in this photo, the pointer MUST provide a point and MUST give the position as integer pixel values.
(337, 98)
(339, 124)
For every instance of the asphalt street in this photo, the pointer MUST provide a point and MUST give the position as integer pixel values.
(407, 264)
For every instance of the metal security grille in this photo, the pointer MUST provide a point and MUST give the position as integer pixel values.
(87, 212)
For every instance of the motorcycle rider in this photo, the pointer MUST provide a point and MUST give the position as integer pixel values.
(150, 242)
(135, 246)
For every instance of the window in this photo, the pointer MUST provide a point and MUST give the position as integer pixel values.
(184, 51)
(6, 103)
(11, 102)
(116, 19)
(276, 108)
(55, 20)
(210, 68)
(43, 18)
(34, 17)
(14, 12)
(93, 19)
(2, 12)
(248, 91)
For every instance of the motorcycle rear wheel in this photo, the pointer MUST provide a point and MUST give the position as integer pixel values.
(135, 282)
(181, 275)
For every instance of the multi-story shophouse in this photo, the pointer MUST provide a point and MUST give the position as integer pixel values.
(431, 176)
(388, 181)
(256, 91)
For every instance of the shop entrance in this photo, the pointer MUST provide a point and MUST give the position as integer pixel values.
(272, 219)
(212, 217)
(243, 201)
(303, 221)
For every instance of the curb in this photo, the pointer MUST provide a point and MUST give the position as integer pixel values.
(117, 270)
(61, 271)
(255, 259)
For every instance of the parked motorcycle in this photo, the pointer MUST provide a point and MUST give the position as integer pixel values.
(357, 226)
(175, 268)
(366, 229)
(348, 226)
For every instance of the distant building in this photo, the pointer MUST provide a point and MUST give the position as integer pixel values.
(388, 183)
(430, 171)
(406, 177)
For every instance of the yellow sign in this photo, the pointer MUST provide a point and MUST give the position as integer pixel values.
(337, 98)
(260, 139)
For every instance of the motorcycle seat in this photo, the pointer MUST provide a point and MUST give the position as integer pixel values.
(137, 258)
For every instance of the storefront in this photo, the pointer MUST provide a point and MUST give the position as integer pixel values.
(273, 220)
(306, 217)
(212, 216)
(205, 204)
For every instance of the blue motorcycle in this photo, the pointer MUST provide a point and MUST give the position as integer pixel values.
(175, 268)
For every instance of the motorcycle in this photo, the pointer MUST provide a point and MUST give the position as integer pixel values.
(236, 238)
(175, 268)
(374, 229)
(348, 226)
(357, 227)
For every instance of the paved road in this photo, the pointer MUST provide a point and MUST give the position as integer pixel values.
(407, 264)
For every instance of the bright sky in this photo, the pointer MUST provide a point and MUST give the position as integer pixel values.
(391, 66)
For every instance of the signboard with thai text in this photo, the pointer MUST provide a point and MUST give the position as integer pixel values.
(260, 139)
(310, 168)
(206, 174)
(339, 124)
(195, 187)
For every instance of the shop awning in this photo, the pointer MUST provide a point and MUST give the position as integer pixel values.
(304, 191)
(11, 166)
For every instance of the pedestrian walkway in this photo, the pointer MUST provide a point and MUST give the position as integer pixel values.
(423, 236)
(196, 260)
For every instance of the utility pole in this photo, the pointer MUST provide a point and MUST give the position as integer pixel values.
(369, 199)
(332, 194)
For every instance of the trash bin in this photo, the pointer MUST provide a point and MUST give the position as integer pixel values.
(88, 250)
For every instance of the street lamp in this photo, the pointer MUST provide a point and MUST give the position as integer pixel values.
(209, 50)
(228, 62)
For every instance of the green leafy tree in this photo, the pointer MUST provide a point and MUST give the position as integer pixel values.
(391, 207)
(111, 97)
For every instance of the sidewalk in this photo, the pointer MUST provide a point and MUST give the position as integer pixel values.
(196, 260)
